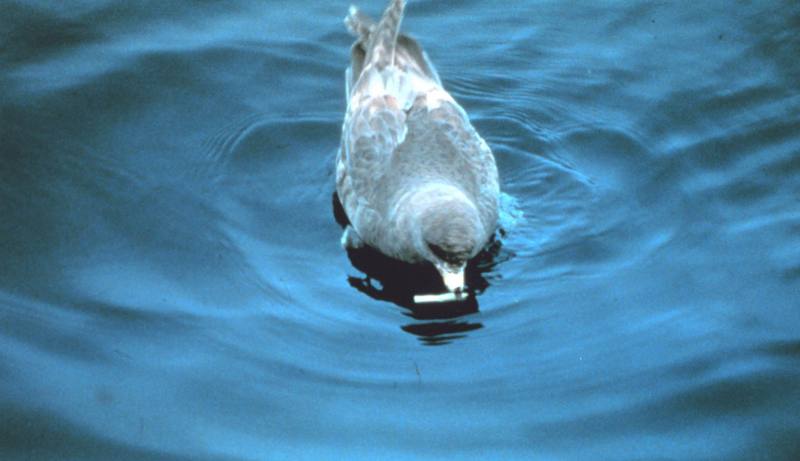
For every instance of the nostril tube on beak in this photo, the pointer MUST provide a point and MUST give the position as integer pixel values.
(454, 281)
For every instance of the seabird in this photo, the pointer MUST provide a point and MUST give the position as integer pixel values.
(414, 177)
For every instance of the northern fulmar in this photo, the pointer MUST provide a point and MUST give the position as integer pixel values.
(415, 179)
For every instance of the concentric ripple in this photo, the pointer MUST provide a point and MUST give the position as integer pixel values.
(173, 286)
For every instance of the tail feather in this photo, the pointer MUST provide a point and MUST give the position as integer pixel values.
(383, 38)
(359, 24)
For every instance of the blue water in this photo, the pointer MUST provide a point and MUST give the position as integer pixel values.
(172, 285)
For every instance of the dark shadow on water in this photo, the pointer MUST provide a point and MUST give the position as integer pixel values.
(440, 333)
(397, 282)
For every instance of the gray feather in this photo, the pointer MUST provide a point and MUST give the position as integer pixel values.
(411, 168)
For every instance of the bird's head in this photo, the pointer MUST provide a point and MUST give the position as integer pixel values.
(450, 234)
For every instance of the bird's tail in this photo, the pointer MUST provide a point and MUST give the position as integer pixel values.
(359, 24)
(381, 38)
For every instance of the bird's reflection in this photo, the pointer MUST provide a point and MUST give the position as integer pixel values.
(388, 279)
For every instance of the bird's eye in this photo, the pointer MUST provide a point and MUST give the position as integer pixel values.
(443, 254)
(437, 250)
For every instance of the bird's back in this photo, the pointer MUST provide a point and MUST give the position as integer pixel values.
(404, 133)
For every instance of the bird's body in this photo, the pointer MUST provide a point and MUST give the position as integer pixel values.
(415, 179)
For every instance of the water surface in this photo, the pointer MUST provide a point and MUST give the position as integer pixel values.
(173, 288)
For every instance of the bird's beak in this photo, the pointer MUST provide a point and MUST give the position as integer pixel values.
(453, 278)
(454, 281)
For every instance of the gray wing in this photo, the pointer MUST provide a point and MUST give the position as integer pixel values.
(374, 127)
(441, 137)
